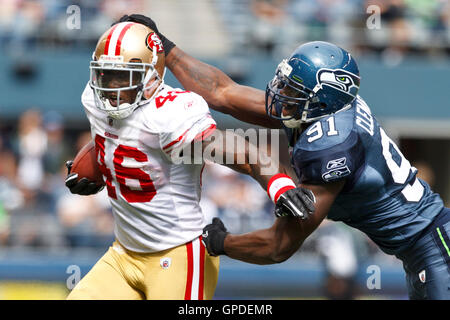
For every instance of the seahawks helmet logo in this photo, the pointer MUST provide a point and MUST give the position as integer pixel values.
(339, 79)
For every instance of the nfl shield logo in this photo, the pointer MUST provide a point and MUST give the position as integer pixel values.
(165, 263)
(422, 276)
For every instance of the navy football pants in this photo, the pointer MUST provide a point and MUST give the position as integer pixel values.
(427, 262)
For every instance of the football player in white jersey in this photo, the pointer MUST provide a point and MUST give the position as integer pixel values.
(142, 128)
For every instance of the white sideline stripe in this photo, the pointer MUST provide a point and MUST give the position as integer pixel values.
(196, 269)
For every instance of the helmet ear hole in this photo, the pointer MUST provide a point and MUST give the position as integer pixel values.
(323, 105)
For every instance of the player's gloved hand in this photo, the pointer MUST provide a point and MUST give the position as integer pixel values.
(289, 199)
(296, 202)
(213, 237)
(83, 187)
(146, 21)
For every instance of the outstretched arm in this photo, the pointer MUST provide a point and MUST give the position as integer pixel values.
(279, 242)
(234, 151)
(222, 94)
(219, 90)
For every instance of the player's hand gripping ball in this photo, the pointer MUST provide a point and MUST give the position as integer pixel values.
(83, 174)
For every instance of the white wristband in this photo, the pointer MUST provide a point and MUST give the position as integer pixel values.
(279, 184)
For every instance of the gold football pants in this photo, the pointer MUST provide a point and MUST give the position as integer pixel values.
(185, 272)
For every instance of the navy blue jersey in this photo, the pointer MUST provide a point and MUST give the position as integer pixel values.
(382, 196)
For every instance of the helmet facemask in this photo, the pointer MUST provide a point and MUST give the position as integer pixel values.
(286, 91)
(290, 96)
(142, 78)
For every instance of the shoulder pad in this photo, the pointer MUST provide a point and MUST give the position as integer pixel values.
(175, 108)
(327, 132)
(319, 157)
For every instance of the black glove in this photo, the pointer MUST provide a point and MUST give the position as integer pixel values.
(297, 202)
(146, 21)
(213, 237)
(83, 187)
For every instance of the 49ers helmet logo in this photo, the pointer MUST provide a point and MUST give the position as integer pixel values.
(152, 40)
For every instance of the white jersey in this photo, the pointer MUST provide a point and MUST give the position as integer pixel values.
(154, 201)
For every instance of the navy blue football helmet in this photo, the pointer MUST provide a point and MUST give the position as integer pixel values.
(318, 79)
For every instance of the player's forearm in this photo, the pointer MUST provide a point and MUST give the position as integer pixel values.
(257, 172)
(260, 247)
(251, 248)
(219, 90)
(257, 163)
(197, 76)
(234, 151)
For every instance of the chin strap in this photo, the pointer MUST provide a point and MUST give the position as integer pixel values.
(292, 123)
(305, 112)
(296, 123)
(150, 74)
(123, 111)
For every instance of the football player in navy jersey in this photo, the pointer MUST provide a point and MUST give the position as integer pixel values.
(340, 152)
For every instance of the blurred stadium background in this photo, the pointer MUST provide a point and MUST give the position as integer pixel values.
(47, 235)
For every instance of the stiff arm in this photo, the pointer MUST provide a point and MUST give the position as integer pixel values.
(234, 151)
(219, 90)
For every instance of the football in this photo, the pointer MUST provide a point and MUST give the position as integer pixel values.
(85, 164)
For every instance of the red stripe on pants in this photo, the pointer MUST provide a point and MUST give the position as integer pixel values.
(190, 271)
(202, 270)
